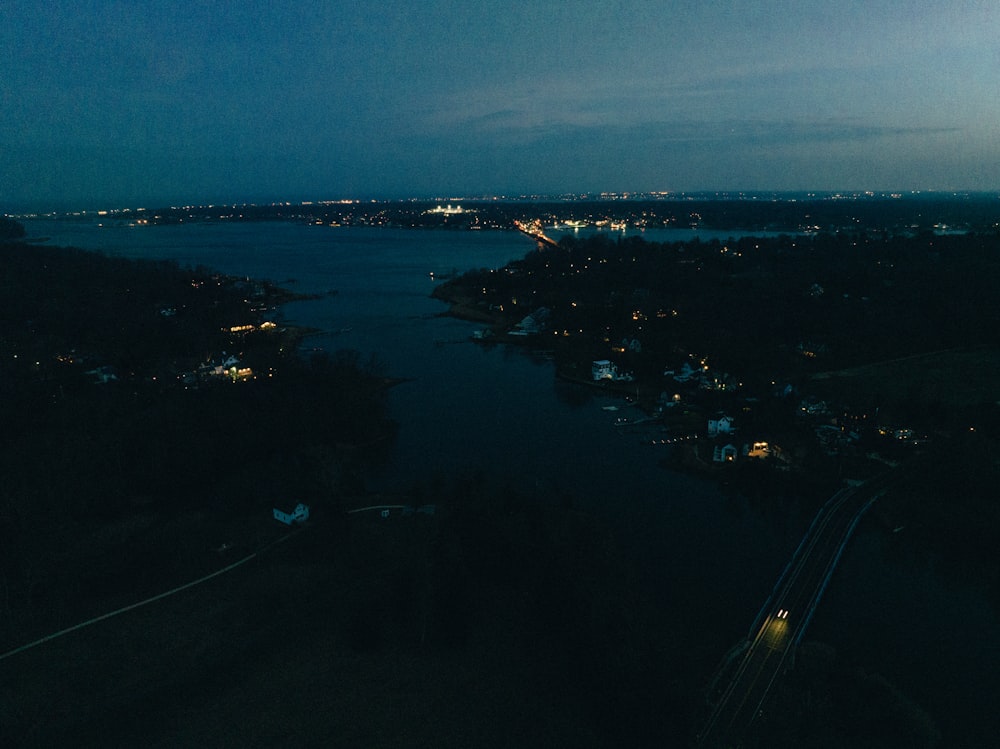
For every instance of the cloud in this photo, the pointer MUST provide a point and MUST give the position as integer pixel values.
(517, 126)
(784, 132)
(748, 153)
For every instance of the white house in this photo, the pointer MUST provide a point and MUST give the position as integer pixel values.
(603, 369)
(721, 425)
(534, 323)
(299, 515)
(228, 363)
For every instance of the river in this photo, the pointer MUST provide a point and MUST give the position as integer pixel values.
(710, 558)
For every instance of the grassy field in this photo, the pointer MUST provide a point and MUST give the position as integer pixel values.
(953, 379)
(297, 648)
(378, 633)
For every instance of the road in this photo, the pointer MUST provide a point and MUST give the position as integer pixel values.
(783, 620)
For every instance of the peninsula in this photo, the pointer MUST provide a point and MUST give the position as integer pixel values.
(785, 365)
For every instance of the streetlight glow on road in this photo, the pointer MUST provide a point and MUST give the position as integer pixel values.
(775, 638)
(766, 654)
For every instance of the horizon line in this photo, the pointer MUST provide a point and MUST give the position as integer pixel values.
(583, 196)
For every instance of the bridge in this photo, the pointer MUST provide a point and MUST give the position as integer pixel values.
(534, 230)
(744, 680)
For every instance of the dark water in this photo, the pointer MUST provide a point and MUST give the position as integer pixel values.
(711, 559)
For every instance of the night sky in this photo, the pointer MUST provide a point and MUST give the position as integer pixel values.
(115, 104)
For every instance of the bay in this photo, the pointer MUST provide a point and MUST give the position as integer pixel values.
(466, 408)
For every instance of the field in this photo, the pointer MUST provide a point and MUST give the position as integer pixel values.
(401, 632)
(951, 380)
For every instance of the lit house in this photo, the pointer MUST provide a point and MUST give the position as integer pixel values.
(603, 369)
(724, 453)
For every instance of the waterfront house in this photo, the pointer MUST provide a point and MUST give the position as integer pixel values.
(536, 322)
(603, 369)
(721, 425)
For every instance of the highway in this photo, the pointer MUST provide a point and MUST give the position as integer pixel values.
(742, 688)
